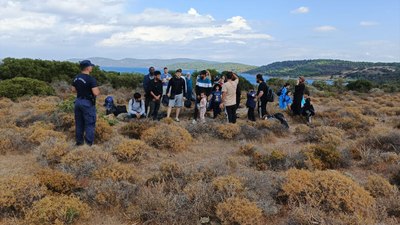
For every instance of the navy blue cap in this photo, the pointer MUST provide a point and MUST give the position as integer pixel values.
(85, 63)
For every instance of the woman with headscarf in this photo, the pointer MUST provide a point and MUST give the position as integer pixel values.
(298, 95)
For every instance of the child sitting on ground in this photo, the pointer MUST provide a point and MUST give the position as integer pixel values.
(203, 107)
(251, 104)
(308, 110)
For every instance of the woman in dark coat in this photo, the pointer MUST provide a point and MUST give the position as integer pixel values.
(298, 95)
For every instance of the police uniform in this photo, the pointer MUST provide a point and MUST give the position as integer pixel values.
(85, 109)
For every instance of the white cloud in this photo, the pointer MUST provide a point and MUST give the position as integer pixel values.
(325, 28)
(368, 23)
(301, 10)
(231, 31)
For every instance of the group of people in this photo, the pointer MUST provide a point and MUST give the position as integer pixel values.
(175, 91)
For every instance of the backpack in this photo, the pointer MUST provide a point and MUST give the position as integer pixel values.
(165, 100)
(133, 102)
(109, 102)
(188, 103)
(279, 93)
(270, 95)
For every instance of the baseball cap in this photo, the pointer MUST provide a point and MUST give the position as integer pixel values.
(85, 63)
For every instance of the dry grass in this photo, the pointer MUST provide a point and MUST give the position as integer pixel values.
(57, 181)
(131, 150)
(174, 138)
(239, 211)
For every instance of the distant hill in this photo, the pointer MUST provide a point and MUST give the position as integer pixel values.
(378, 72)
(183, 63)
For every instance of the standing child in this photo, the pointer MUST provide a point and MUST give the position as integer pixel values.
(251, 104)
(216, 100)
(286, 100)
(203, 107)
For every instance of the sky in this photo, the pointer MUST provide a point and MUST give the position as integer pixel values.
(255, 32)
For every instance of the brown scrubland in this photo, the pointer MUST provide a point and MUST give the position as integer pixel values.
(342, 169)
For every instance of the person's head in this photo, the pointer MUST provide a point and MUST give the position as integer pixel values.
(217, 87)
(165, 70)
(208, 73)
(202, 95)
(308, 101)
(137, 96)
(289, 93)
(178, 73)
(151, 70)
(302, 80)
(157, 75)
(188, 75)
(287, 85)
(259, 78)
(229, 76)
(203, 74)
(86, 66)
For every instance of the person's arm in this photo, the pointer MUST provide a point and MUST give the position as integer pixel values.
(142, 110)
(130, 110)
(184, 88)
(73, 89)
(95, 88)
(145, 83)
(168, 88)
(96, 91)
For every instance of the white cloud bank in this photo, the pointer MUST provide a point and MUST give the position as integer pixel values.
(368, 23)
(325, 28)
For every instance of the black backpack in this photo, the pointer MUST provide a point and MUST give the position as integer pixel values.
(279, 93)
(270, 95)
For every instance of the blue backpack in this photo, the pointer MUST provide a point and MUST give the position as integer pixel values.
(109, 102)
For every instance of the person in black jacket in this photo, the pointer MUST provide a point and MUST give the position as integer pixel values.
(298, 95)
(155, 91)
(262, 94)
(176, 92)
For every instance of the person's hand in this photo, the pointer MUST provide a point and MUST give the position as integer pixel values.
(184, 98)
(138, 115)
(198, 96)
(221, 105)
(169, 95)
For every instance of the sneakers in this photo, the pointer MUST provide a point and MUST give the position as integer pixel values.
(194, 122)
(177, 120)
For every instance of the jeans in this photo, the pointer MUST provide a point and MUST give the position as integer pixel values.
(231, 111)
(85, 121)
(154, 107)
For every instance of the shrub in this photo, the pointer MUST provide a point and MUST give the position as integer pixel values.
(41, 132)
(325, 135)
(58, 210)
(389, 142)
(20, 86)
(131, 150)
(227, 131)
(360, 85)
(135, 129)
(272, 125)
(275, 161)
(174, 138)
(52, 150)
(67, 105)
(329, 191)
(239, 211)
(228, 186)
(84, 161)
(302, 129)
(379, 187)
(396, 179)
(18, 193)
(116, 172)
(250, 133)
(12, 139)
(247, 149)
(57, 181)
(323, 157)
(103, 131)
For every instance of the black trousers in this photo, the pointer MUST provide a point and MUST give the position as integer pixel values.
(154, 107)
(231, 111)
(147, 101)
(196, 109)
(216, 109)
(250, 114)
(262, 108)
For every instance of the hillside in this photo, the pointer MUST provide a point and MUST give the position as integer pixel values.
(184, 63)
(378, 72)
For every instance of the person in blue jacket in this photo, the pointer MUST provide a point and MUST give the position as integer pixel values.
(284, 99)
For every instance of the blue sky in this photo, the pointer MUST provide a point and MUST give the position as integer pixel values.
(253, 32)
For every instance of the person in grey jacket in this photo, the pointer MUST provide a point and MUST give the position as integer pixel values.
(136, 107)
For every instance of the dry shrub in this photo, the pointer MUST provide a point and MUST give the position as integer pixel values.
(109, 193)
(389, 111)
(384, 142)
(167, 120)
(5, 103)
(131, 150)
(352, 118)
(329, 191)
(12, 139)
(18, 193)
(325, 135)
(168, 137)
(274, 161)
(228, 186)
(239, 211)
(57, 181)
(168, 171)
(58, 210)
(379, 187)
(116, 172)
(103, 131)
(62, 121)
(322, 157)
(302, 129)
(52, 150)
(135, 129)
(200, 129)
(272, 125)
(41, 132)
(251, 133)
(247, 149)
(83, 161)
(227, 131)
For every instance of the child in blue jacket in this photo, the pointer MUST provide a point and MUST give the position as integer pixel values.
(251, 104)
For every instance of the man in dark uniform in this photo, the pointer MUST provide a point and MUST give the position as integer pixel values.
(85, 105)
